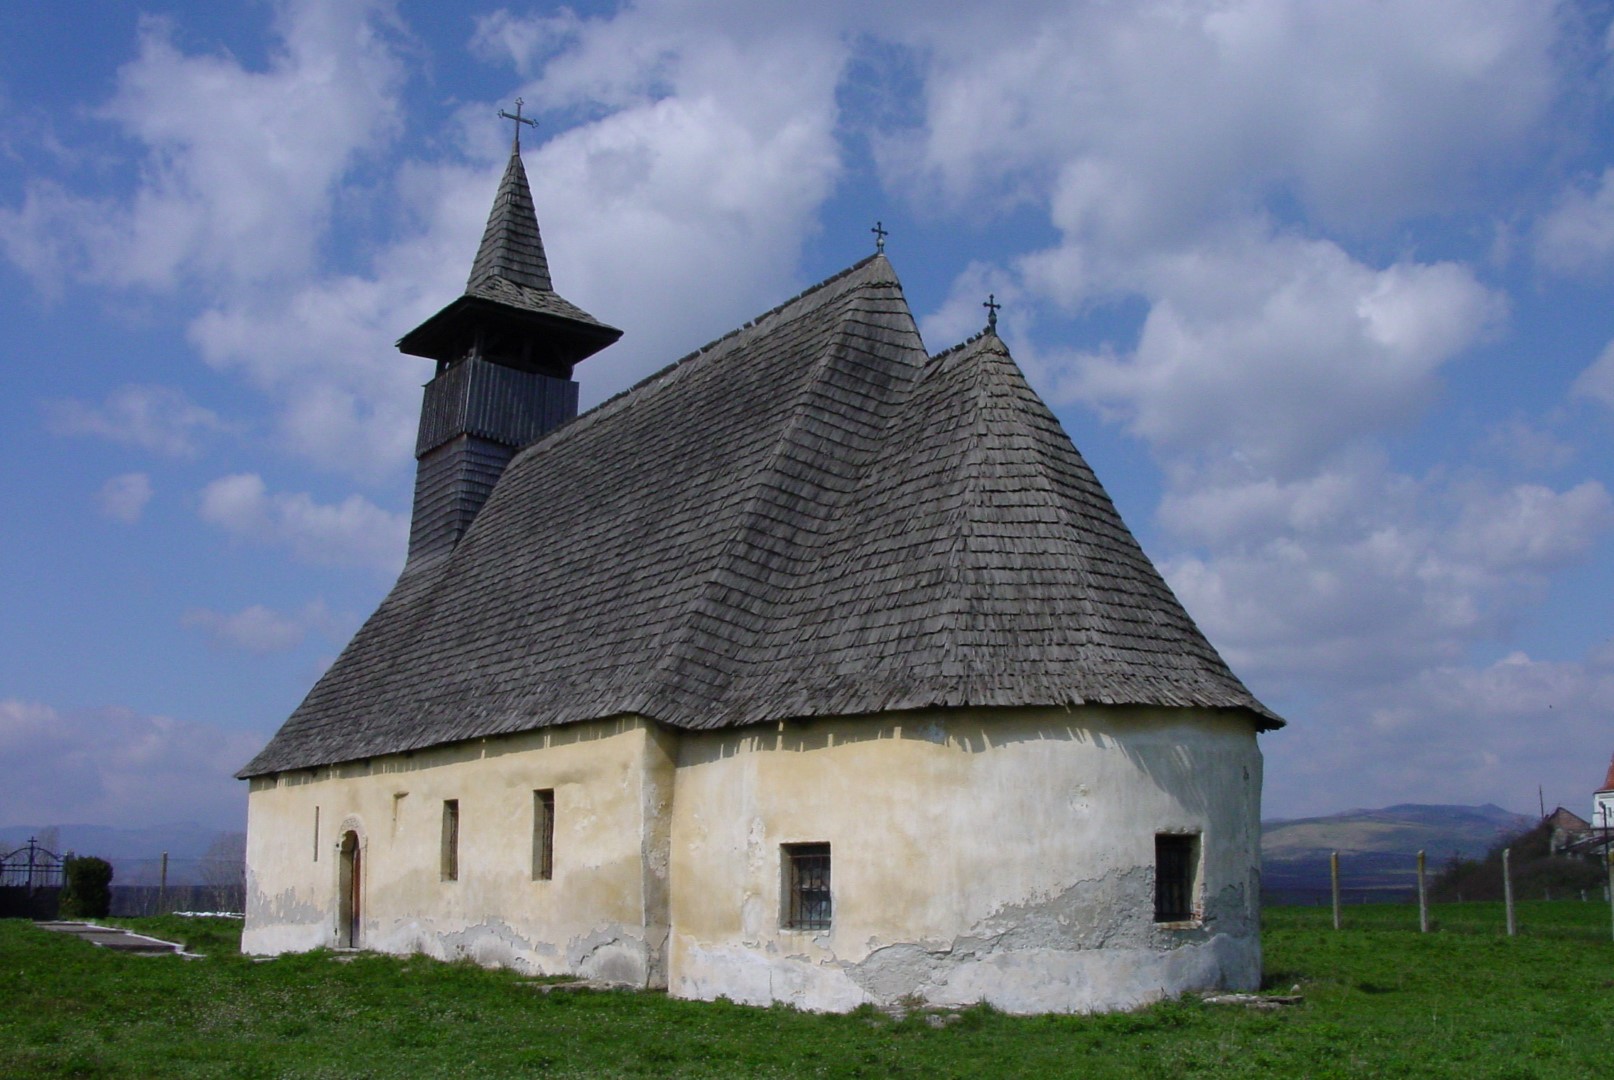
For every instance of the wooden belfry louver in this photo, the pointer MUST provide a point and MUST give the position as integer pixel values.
(505, 352)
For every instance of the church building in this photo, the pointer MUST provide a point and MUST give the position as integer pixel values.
(815, 668)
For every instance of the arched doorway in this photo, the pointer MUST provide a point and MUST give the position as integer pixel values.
(350, 889)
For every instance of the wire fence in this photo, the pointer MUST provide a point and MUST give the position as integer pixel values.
(1594, 897)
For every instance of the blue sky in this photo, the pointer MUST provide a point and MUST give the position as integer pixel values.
(1321, 291)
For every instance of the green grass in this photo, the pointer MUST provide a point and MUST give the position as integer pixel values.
(1380, 1000)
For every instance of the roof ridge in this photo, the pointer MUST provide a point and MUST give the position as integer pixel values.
(997, 367)
(973, 339)
(958, 557)
(752, 514)
(776, 313)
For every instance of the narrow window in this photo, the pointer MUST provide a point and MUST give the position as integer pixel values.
(451, 839)
(543, 834)
(805, 887)
(316, 834)
(1176, 856)
(397, 803)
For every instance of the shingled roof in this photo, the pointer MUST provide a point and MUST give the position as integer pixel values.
(509, 281)
(808, 517)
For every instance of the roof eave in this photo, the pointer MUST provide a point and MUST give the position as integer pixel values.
(438, 336)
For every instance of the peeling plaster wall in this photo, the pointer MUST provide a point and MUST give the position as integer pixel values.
(604, 914)
(976, 856)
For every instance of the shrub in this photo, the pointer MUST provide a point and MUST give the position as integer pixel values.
(87, 888)
(1536, 871)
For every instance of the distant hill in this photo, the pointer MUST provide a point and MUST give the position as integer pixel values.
(135, 853)
(1377, 848)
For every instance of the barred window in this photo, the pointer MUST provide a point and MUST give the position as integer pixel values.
(806, 896)
(451, 839)
(543, 834)
(1176, 857)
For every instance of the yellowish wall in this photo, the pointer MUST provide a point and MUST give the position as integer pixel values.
(1005, 857)
(976, 856)
(602, 915)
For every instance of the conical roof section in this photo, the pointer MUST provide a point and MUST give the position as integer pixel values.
(1608, 781)
(512, 248)
(983, 564)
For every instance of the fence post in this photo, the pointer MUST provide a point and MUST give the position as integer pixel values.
(1423, 897)
(1507, 888)
(162, 887)
(1609, 856)
(1333, 874)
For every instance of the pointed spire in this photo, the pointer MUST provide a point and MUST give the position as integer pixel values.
(510, 312)
(511, 245)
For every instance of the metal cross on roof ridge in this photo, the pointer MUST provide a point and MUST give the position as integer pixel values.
(879, 236)
(992, 307)
(519, 119)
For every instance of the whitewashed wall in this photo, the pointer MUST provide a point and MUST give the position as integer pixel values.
(975, 857)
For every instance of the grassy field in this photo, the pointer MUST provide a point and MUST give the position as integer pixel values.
(1380, 1000)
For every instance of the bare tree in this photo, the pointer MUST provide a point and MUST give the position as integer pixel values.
(224, 871)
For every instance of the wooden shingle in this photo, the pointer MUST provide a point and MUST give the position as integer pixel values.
(808, 517)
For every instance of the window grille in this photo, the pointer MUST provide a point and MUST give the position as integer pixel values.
(807, 903)
(543, 834)
(451, 839)
(1175, 858)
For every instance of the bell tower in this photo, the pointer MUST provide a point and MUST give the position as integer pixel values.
(505, 352)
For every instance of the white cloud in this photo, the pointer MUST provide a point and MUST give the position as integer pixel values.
(233, 197)
(1532, 528)
(1517, 442)
(354, 532)
(347, 400)
(117, 766)
(124, 498)
(1359, 576)
(1454, 734)
(258, 629)
(1577, 234)
(156, 418)
(1280, 349)
(239, 166)
(1148, 118)
(1597, 381)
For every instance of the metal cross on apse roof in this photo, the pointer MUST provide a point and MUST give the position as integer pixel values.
(879, 236)
(992, 307)
(519, 119)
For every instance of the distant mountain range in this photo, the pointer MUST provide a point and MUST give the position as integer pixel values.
(1377, 848)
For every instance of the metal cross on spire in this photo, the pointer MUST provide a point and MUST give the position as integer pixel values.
(879, 236)
(515, 144)
(992, 307)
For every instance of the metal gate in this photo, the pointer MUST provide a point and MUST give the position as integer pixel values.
(30, 882)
